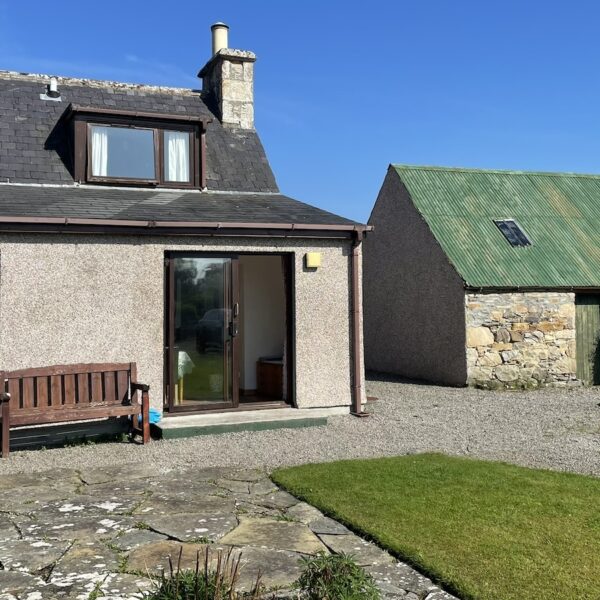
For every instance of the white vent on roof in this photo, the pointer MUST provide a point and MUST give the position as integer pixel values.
(52, 91)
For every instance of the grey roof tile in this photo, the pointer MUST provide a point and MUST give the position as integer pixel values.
(158, 205)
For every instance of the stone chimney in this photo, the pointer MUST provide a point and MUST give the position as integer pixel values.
(228, 81)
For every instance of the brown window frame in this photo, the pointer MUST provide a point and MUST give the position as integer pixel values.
(83, 150)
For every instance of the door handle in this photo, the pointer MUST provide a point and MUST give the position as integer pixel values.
(233, 329)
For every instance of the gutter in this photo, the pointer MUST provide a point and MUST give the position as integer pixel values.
(184, 227)
(356, 409)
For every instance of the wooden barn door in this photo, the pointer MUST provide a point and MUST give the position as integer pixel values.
(587, 323)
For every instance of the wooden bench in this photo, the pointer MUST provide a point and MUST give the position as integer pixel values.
(73, 393)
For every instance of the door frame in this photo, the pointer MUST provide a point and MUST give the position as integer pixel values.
(289, 281)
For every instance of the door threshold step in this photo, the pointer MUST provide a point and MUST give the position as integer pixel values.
(174, 427)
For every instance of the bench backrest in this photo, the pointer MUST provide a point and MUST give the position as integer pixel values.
(64, 387)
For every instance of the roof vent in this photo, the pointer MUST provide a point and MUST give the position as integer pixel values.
(52, 91)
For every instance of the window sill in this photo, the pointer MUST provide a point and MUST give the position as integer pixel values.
(137, 183)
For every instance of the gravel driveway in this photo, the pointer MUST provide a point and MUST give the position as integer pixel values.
(554, 428)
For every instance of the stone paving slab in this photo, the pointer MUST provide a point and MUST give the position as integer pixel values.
(90, 526)
(325, 525)
(153, 558)
(8, 530)
(123, 586)
(280, 535)
(31, 498)
(45, 480)
(175, 505)
(19, 583)
(365, 553)
(189, 527)
(31, 555)
(133, 538)
(102, 534)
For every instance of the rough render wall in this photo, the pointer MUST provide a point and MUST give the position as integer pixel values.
(414, 316)
(84, 298)
(520, 340)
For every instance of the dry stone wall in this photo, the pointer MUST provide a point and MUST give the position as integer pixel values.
(520, 340)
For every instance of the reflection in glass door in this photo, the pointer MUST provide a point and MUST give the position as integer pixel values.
(202, 332)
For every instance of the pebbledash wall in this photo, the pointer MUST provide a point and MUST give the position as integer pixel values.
(520, 340)
(100, 298)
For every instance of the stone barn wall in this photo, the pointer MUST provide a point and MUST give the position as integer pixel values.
(520, 340)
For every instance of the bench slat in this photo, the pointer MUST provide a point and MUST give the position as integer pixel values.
(28, 392)
(97, 387)
(110, 390)
(83, 388)
(14, 389)
(69, 383)
(56, 390)
(122, 385)
(42, 391)
(60, 416)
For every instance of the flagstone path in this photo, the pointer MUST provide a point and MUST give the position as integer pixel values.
(103, 534)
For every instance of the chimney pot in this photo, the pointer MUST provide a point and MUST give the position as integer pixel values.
(220, 33)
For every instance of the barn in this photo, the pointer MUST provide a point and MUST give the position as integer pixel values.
(484, 277)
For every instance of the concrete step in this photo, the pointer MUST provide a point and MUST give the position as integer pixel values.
(173, 427)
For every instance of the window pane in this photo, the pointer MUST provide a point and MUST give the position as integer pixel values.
(123, 152)
(177, 156)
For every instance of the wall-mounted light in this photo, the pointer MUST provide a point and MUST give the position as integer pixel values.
(312, 260)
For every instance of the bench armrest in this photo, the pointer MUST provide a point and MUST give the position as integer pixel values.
(142, 387)
(4, 397)
(145, 409)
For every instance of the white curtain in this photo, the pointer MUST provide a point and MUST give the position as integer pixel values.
(99, 151)
(178, 157)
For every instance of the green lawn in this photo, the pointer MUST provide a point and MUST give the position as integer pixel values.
(482, 529)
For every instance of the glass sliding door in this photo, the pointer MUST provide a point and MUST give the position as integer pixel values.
(202, 332)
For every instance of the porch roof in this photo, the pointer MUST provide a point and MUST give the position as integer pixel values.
(50, 204)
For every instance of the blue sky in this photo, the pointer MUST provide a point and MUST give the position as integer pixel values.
(345, 88)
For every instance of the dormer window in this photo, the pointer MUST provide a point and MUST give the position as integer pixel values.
(143, 149)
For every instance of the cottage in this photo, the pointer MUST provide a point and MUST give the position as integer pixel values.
(142, 223)
(489, 278)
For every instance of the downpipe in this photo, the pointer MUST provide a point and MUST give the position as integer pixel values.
(356, 408)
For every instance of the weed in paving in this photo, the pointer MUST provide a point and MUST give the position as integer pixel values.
(335, 577)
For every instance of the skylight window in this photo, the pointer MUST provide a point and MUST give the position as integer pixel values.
(512, 232)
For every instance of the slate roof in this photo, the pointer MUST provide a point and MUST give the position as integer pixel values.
(31, 146)
(559, 212)
(34, 149)
(97, 202)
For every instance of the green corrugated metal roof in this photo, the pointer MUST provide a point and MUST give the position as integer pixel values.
(560, 213)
